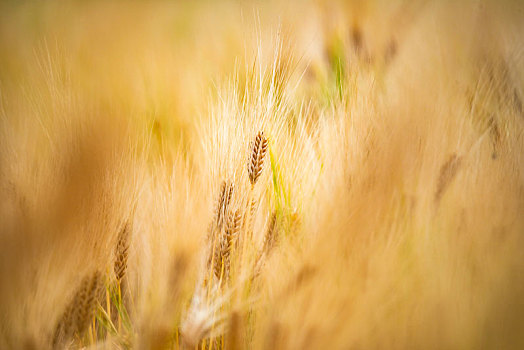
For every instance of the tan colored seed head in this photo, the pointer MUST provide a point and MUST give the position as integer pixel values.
(122, 252)
(258, 153)
(79, 311)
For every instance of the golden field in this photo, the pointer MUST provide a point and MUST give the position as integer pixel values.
(262, 174)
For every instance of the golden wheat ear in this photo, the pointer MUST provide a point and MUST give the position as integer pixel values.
(256, 162)
(222, 261)
(230, 235)
(215, 229)
(224, 198)
(122, 252)
(78, 313)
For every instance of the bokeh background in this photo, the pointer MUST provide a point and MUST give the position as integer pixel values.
(395, 169)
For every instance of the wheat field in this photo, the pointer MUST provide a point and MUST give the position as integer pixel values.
(262, 174)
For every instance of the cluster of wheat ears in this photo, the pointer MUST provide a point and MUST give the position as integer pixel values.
(230, 233)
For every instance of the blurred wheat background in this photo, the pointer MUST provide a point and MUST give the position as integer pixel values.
(262, 174)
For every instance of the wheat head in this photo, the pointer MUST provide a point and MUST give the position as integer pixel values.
(256, 161)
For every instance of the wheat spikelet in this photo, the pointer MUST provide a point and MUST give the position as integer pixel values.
(230, 234)
(87, 303)
(267, 246)
(232, 228)
(217, 262)
(447, 173)
(79, 311)
(122, 252)
(270, 237)
(223, 251)
(217, 213)
(257, 157)
(253, 208)
(120, 269)
(224, 199)
(222, 195)
(220, 204)
(227, 200)
(252, 211)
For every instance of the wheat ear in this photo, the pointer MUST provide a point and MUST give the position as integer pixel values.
(228, 240)
(79, 311)
(122, 252)
(269, 243)
(254, 170)
(256, 162)
(214, 260)
(224, 198)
